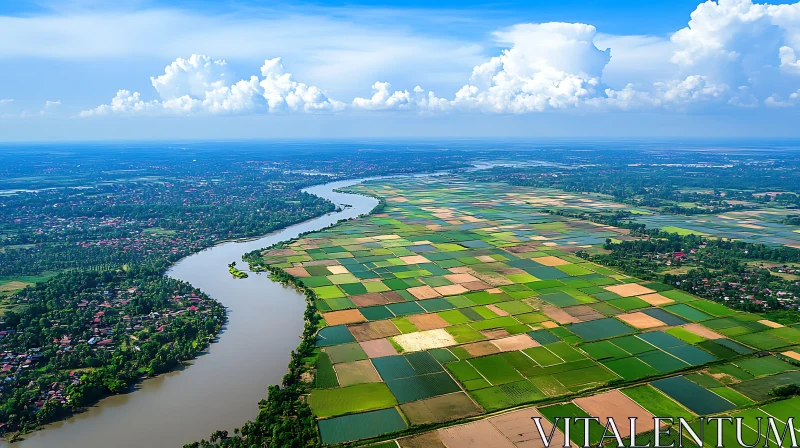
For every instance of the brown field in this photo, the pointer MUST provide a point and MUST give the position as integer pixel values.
(495, 333)
(476, 286)
(343, 317)
(629, 289)
(423, 292)
(551, 261)
(368, 299)
(425, 440)
(559, 315)
(480, 434)
(297, 272)
(497, 310)
(518, 427)
(414, 259)
(373, 330)
(428, 321)
(702, 331)
(656, 299)
(518, 342)
(616, 405)
(770, 323)
(440, 409)
(461, 278)
(356, 372)
(481, 348)
(450, 290)
(583, 313)
(640, 320)
(792, 354)
(392, 297)
(378, 348)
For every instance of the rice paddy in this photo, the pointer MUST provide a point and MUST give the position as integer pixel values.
(461, 299)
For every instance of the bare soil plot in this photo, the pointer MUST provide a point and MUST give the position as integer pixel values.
(414, 259)
(368, 299)
(616, 405)
(426, 440)
(373, 330)
(425, 340)
(461, 278)
(551, 261)
(338, 269)
(440, 409)
(392, 297)
(428, 321)
(378, 348)
(629, 289)
(792, 354)
(343, 317)
(518, 427)
(476, 286)
(518, 342)
(297, 272)
(498, 311)
(356, 372)
(770, 323)
(702, 331)
(640, 320)
(450, 290)
(481, 348)
(496, 333)
(583, 312)
(423, 292)
(559, 315)
(480, 434)
(656, 299)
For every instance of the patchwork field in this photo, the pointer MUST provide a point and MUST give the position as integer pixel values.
(461, 299)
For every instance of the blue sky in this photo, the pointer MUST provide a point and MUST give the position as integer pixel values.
(87, 69)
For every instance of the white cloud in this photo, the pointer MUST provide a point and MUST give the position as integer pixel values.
(194, 77)
(383, 99)
(198, 85)
(731, 53)
(6, 101)
(549, 66)
(789, 60)
(344, 49)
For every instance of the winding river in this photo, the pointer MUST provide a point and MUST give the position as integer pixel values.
(222, 387)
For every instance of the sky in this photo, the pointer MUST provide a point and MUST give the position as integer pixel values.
(240, 69)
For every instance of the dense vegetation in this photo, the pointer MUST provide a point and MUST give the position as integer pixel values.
(716, 269)
(83, 335)
(676, 185)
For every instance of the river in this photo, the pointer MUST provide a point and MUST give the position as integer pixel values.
(221, 388)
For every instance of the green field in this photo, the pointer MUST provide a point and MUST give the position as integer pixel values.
(474, 291)
(346, 400)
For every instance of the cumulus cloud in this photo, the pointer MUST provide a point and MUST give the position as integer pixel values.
(549, 66)
(200, 85)
(731, 53)
(383, 99)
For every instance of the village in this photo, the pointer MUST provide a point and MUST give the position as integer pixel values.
(104, 315)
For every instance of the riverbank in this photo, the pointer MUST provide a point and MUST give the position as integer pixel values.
(264, 318)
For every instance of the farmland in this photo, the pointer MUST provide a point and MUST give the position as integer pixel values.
(463, 298)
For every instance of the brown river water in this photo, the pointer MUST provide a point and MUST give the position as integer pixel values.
(221, 388)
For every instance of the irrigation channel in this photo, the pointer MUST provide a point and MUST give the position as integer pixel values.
(221, 388)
